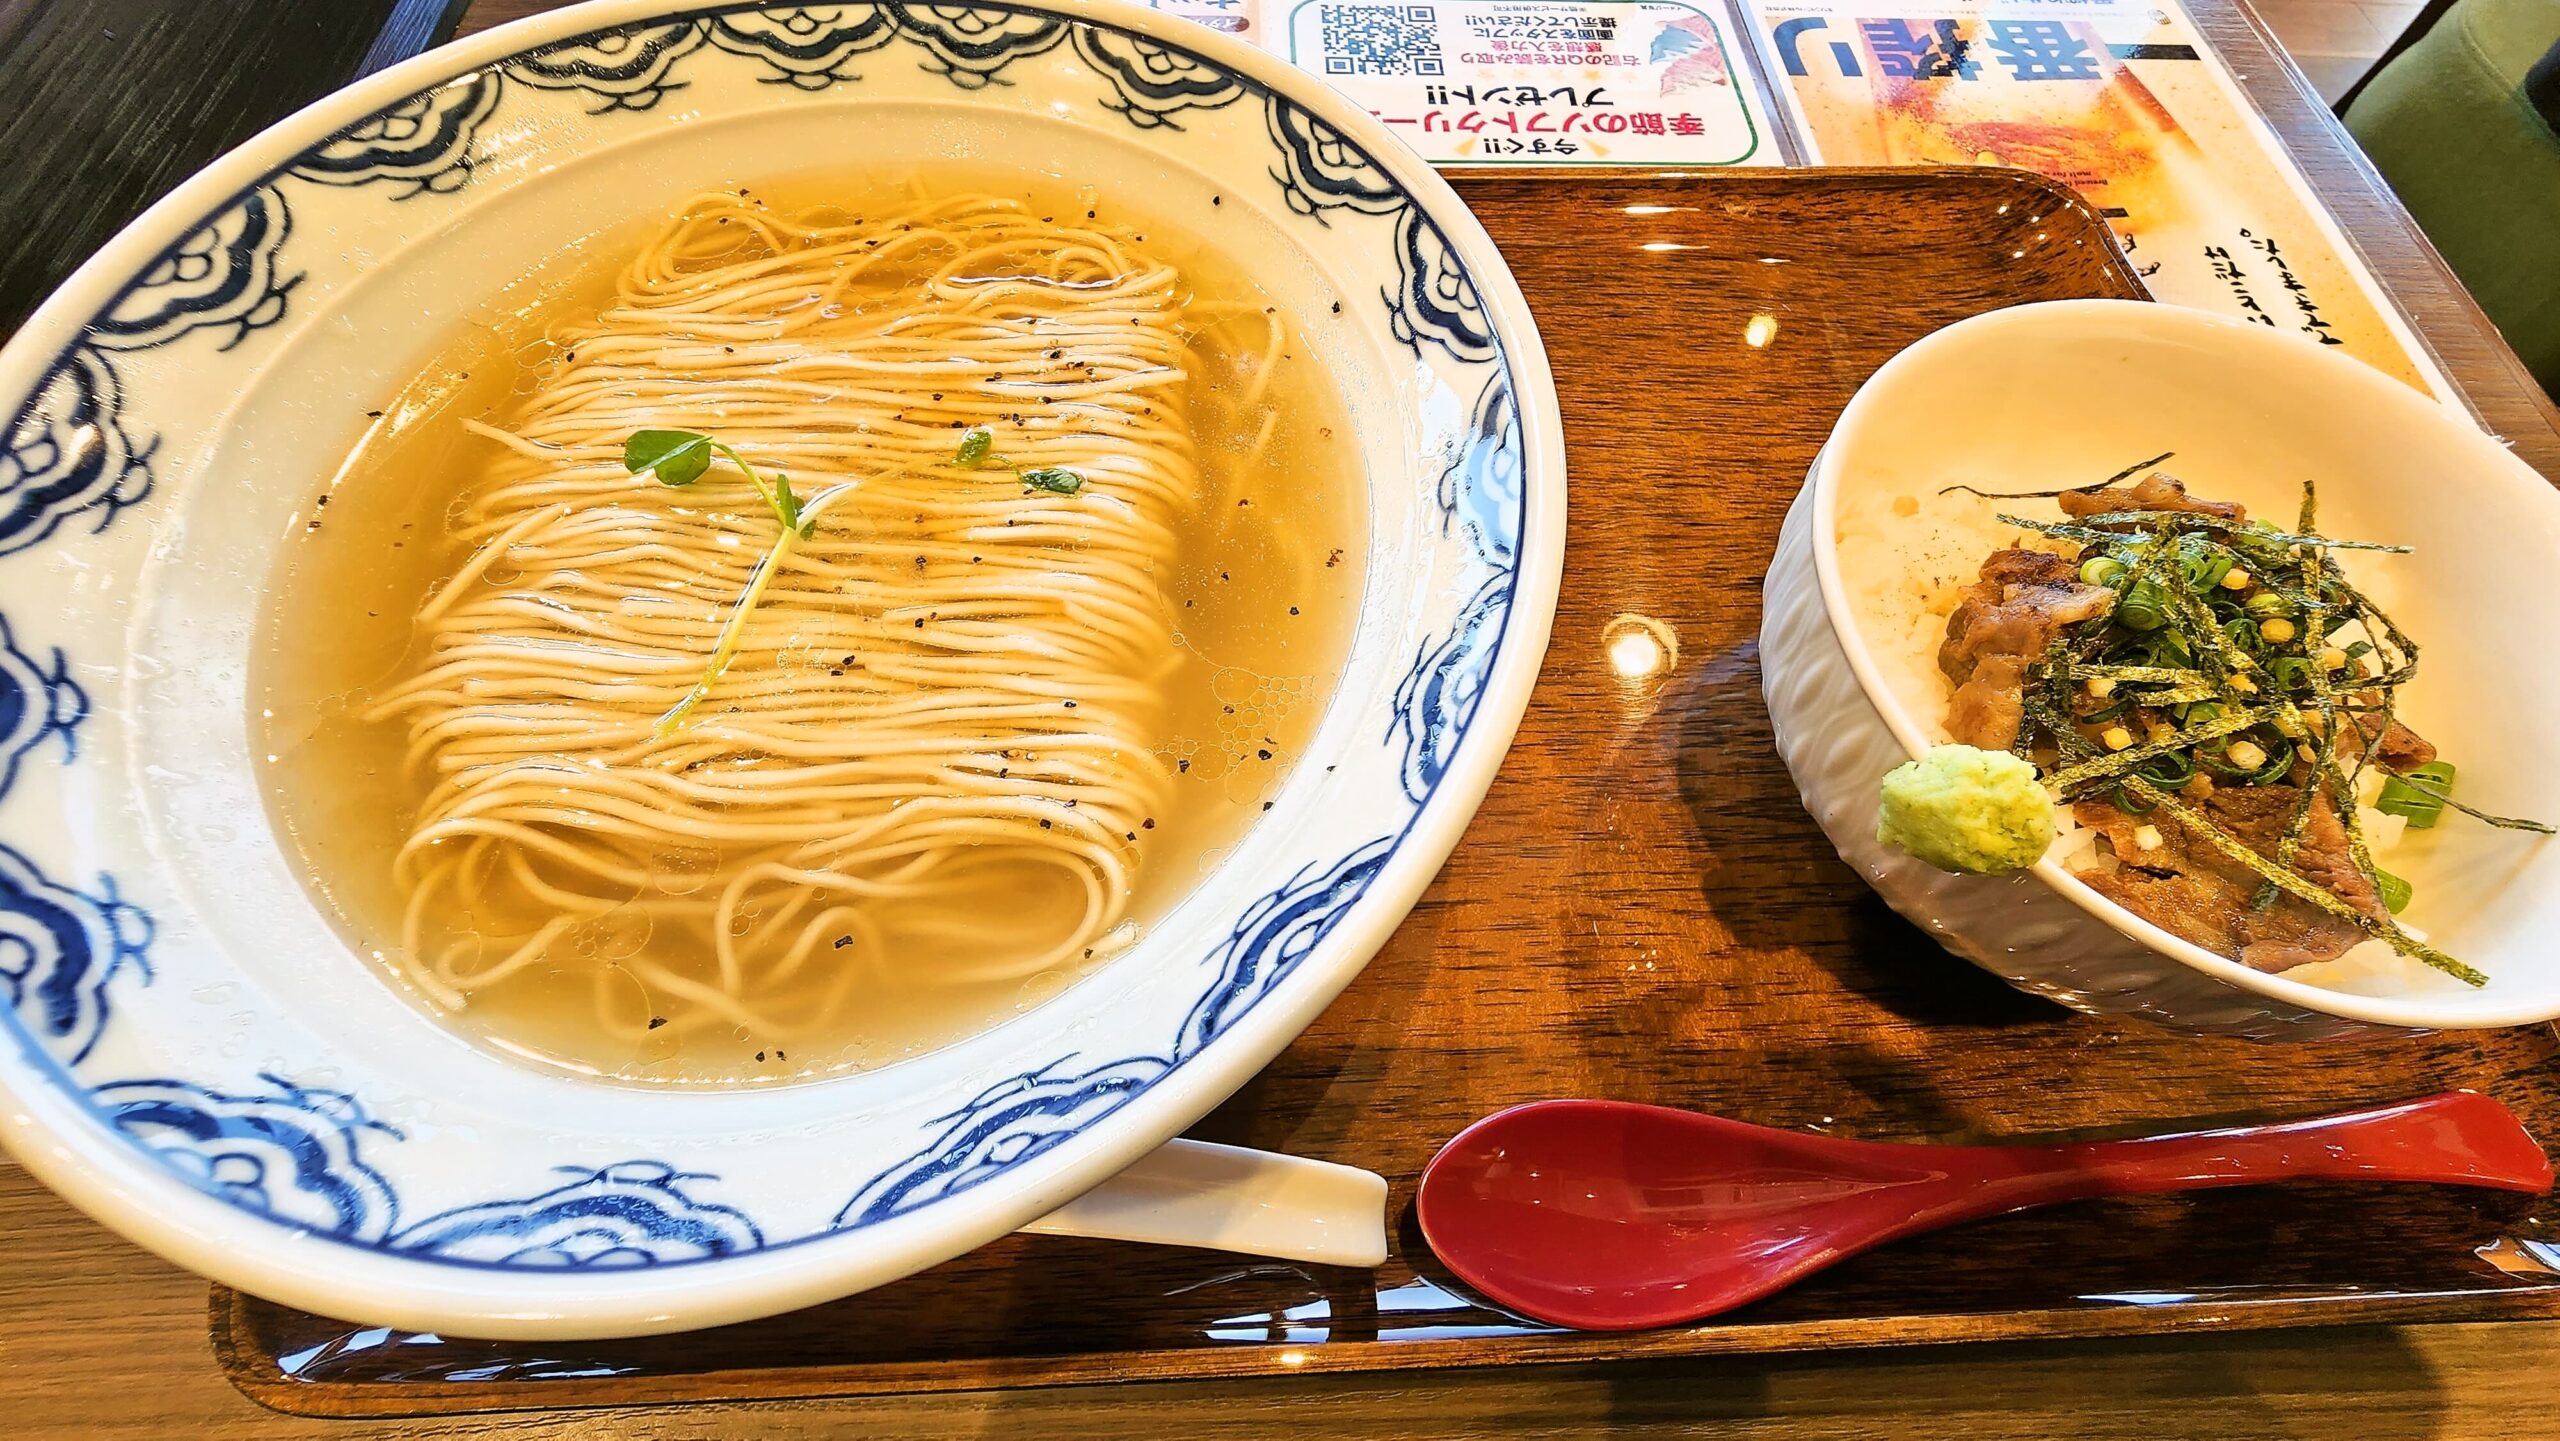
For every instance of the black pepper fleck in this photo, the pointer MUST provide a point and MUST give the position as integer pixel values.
(656, 1021)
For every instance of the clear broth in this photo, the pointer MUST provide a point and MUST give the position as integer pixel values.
(1265, 595)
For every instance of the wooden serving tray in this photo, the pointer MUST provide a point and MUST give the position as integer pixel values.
(1642, 909)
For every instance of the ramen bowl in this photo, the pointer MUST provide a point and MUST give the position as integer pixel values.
(199, 1059)
(2047, 396)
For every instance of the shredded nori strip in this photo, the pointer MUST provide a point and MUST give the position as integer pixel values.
(2309, 892)
(2128, 473)
(2096, 529)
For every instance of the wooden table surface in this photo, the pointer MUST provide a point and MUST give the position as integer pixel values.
(99, 1339)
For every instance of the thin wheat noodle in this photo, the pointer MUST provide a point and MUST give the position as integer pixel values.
(952, 684)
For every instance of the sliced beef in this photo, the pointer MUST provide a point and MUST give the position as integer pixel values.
(2401, 749)
(2006, 621)
(2156, 491)
(1990, 709)
(2189, 889)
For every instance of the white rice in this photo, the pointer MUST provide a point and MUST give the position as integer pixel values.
(1905, 561)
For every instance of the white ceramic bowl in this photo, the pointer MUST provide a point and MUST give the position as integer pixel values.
(195, 1057)
(2045, 396)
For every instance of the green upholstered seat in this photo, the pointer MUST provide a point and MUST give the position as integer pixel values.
(2461, 125)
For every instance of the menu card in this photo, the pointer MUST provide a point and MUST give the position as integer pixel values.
(2119, 98)
(2122, 100)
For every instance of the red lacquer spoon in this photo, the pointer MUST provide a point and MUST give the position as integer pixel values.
(1611, 1216)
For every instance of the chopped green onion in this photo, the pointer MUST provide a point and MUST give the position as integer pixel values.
(2171, 771)
(2267, 603)
(2144, 607)
(2395, 891)
(2100, 570)
(975, 443)
(1056, 480)
(2206, 565)
(2421, 809)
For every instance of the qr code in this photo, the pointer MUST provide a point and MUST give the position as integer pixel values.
(1381, 40)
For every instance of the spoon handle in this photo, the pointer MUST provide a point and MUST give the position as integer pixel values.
(2458, 1138)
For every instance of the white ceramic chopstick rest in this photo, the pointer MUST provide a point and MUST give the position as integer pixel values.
(1228, 1198)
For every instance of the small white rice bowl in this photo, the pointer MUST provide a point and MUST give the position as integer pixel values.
(2040, 397)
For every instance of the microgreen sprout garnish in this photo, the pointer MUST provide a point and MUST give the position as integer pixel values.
(680, 458)
(977, 448)
(786, 507)
(2237, 654)
(977, 451)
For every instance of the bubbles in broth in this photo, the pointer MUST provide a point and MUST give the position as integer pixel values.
(1007, 578)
